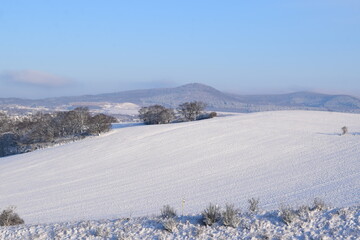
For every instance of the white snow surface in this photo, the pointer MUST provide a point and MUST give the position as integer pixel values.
(330, 224)
(279, 157)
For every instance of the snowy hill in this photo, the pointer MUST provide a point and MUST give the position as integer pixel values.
(280, 157)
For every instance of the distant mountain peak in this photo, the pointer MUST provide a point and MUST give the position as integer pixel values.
(195, 85)
(198, 86)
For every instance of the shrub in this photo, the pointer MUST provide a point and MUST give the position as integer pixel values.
(212, 114)
(230, 216)
(206, 116)
(170, 225)
(287, 214)
(211, 214)
(344, 130)
(9, 217)
(168, 212)
(102, 232)
(253, 205)
(319, 204)
(304, 212)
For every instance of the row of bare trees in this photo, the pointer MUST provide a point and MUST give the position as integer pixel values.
(48, 127)
(188, 111)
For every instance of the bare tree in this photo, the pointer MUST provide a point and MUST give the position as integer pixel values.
(40, 128)
(101, 123)
(191, 110)
(80, 120)
(156, 114)
(8, 143)
(27, 133)
(4, 122)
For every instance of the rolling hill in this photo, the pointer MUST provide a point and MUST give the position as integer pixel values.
(280, 157)
(172, 97)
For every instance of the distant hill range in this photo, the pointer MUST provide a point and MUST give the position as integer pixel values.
(128, 102)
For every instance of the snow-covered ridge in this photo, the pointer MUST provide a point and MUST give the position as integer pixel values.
(280, 157)
(215, 99)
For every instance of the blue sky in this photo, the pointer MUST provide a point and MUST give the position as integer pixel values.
(56, 48)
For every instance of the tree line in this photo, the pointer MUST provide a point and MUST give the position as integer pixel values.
(188, 111)
(22, 133)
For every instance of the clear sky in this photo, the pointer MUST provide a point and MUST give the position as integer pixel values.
(70, 47)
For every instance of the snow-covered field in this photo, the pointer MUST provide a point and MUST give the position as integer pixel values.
(280, 157)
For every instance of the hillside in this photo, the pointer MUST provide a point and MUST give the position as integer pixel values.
(303, 100)
(113, 103)
(280, 157)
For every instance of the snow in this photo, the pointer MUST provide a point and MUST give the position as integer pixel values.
(335, 223)
(121, 108)
(280, 157)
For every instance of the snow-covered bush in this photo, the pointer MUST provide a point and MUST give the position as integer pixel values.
(168, 212)
(230, 217)
(9, 217)
(253, 205)
(332, 223)
(206, 116)
(102, 232)
(211, 214)
(170, 225)
(212, 114)
(344, 130)
(304, 213)
(287, 214)
(319, 204)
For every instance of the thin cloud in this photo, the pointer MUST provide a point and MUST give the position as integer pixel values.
(35, 78)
